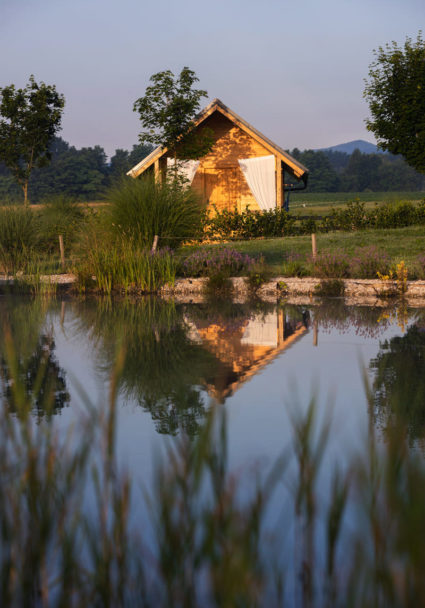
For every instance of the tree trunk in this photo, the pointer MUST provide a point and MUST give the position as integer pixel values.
(25, 189)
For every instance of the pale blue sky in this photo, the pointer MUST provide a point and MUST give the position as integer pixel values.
(294, 70)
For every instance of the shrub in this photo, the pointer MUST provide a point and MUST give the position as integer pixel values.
(258, 274)
(331, 265)
(249, 224)
(18, 237)
(142, 208)
(209, 262)
(368, 261)
(294, 266)
(353, 217)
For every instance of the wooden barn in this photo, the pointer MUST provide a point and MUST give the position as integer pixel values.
(244, 168)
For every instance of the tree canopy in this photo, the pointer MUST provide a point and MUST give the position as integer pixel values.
(167, 112)
(395, 92)
(29, 120)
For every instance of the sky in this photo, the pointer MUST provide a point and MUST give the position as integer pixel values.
(294, 70)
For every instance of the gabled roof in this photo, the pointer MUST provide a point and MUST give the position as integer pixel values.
(292, 165)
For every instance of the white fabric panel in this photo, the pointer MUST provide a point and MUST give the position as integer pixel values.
(186, 168)
(260, 175)
(261, 331)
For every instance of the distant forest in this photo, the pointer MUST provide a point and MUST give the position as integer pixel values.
(85, 174)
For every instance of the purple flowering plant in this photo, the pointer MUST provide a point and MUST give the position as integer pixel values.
(368, 261)
(224, 261)
(335, 265)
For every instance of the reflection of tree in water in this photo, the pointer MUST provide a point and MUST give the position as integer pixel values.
(36, 365)
(42, 378)
(367, 321)
(163, 368)
(399, 384)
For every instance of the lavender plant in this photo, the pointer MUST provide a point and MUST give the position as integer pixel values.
(209, 262)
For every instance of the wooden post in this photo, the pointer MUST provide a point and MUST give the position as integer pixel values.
(279, 180)
(157, 171)
(315, 332)
(313, 246)
(62, 251)
(155, 243)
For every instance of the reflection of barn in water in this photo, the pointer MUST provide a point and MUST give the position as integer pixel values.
(244, 348)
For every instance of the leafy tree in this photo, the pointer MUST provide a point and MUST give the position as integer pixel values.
(123, 160)
(361, 171)
(395, 93)
(30, 119)
(323, 177)
(167, 112)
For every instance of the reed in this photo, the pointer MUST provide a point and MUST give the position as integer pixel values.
(123, 266)
(142, 208)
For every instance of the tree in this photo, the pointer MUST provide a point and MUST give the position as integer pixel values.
(167, 113)
(396, 96)
(30, 118)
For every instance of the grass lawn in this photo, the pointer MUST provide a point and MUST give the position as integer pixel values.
(399, 243)
(322, 203)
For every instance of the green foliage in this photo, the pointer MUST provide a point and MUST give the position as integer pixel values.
(141, 209)
(249, 224)
(395, 93)
(258, 274)
(60, 215)
(30, 119)
(122, 266)
(322, 176)
(167, 112)
(123, 160)
(19, 237)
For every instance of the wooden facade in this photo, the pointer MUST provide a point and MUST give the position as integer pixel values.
(219, 179)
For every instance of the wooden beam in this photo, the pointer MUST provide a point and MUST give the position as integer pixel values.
(279, 185)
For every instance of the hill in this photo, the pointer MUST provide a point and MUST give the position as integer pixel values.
(348, 148)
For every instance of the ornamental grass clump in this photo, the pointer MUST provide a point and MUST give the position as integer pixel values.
(19, 234)
(60, 216)
(367, 262)
(125, 267)
(210, 262)
(142, 208)
(333, 265)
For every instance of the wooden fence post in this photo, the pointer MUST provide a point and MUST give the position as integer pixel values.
(62, 251)
(155, 243)
(313, 246)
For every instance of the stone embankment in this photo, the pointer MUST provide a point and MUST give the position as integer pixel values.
(366, 291)
(305, 286)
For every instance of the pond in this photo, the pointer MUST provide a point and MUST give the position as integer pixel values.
(259, 364)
